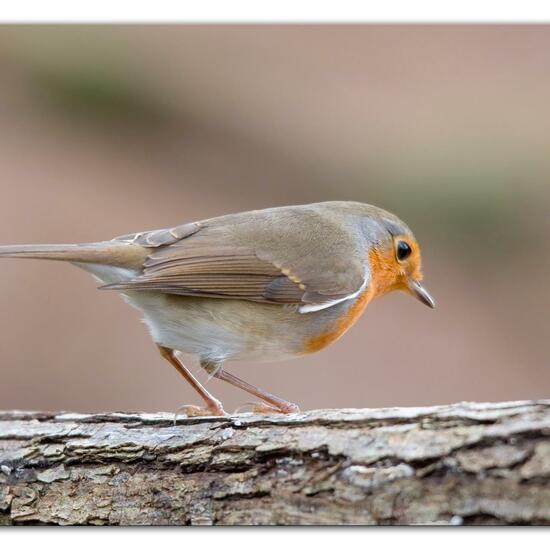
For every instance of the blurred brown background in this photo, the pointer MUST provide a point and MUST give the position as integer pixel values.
(106, 130)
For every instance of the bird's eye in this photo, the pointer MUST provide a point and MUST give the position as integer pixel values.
(403, 251)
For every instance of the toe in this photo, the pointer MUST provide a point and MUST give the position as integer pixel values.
(194, 410)
(289, 408)
(266, 408)
(256, 407)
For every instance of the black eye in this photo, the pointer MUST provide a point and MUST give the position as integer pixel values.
(403, 251)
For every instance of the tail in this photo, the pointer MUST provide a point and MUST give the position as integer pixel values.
(114, 253)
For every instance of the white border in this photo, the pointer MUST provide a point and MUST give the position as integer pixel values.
(188, 538)
(273, 11)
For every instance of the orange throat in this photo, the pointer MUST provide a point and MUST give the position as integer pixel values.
(384, 279)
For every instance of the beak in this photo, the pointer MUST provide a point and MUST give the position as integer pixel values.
(421, 293)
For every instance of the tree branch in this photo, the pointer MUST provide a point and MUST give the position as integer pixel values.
(470, 463)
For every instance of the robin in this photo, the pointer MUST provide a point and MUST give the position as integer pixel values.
(261, 285)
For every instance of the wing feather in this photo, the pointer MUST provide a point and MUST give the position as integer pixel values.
(221, 258)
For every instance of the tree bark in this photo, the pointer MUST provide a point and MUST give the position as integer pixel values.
(470, 463)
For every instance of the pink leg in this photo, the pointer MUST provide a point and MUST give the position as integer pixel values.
(274, 403)
(213, 406)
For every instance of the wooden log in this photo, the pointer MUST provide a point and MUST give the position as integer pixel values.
(469, 463)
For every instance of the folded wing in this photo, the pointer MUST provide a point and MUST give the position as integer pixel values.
(261, 258)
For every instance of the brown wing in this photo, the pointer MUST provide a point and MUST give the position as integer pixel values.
(213, 271)
(223, 258)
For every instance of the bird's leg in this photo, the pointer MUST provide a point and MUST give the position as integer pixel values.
(213, 406)
(272, 402)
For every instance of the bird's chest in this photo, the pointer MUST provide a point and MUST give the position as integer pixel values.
(336, 326)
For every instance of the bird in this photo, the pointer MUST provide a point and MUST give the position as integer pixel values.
(262, 285)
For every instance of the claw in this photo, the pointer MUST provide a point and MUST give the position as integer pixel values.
(195, 410)
(265, 408)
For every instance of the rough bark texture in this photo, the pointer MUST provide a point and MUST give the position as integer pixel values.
(469, 463)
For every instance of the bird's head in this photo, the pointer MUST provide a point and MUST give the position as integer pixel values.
(394, 257)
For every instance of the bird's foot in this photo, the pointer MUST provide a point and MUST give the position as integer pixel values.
(266, 408)
(212, 409)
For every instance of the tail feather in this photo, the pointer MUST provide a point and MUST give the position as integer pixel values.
(114, 253)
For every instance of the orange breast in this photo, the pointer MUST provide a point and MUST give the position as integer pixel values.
(341, 325)
(384, 278)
